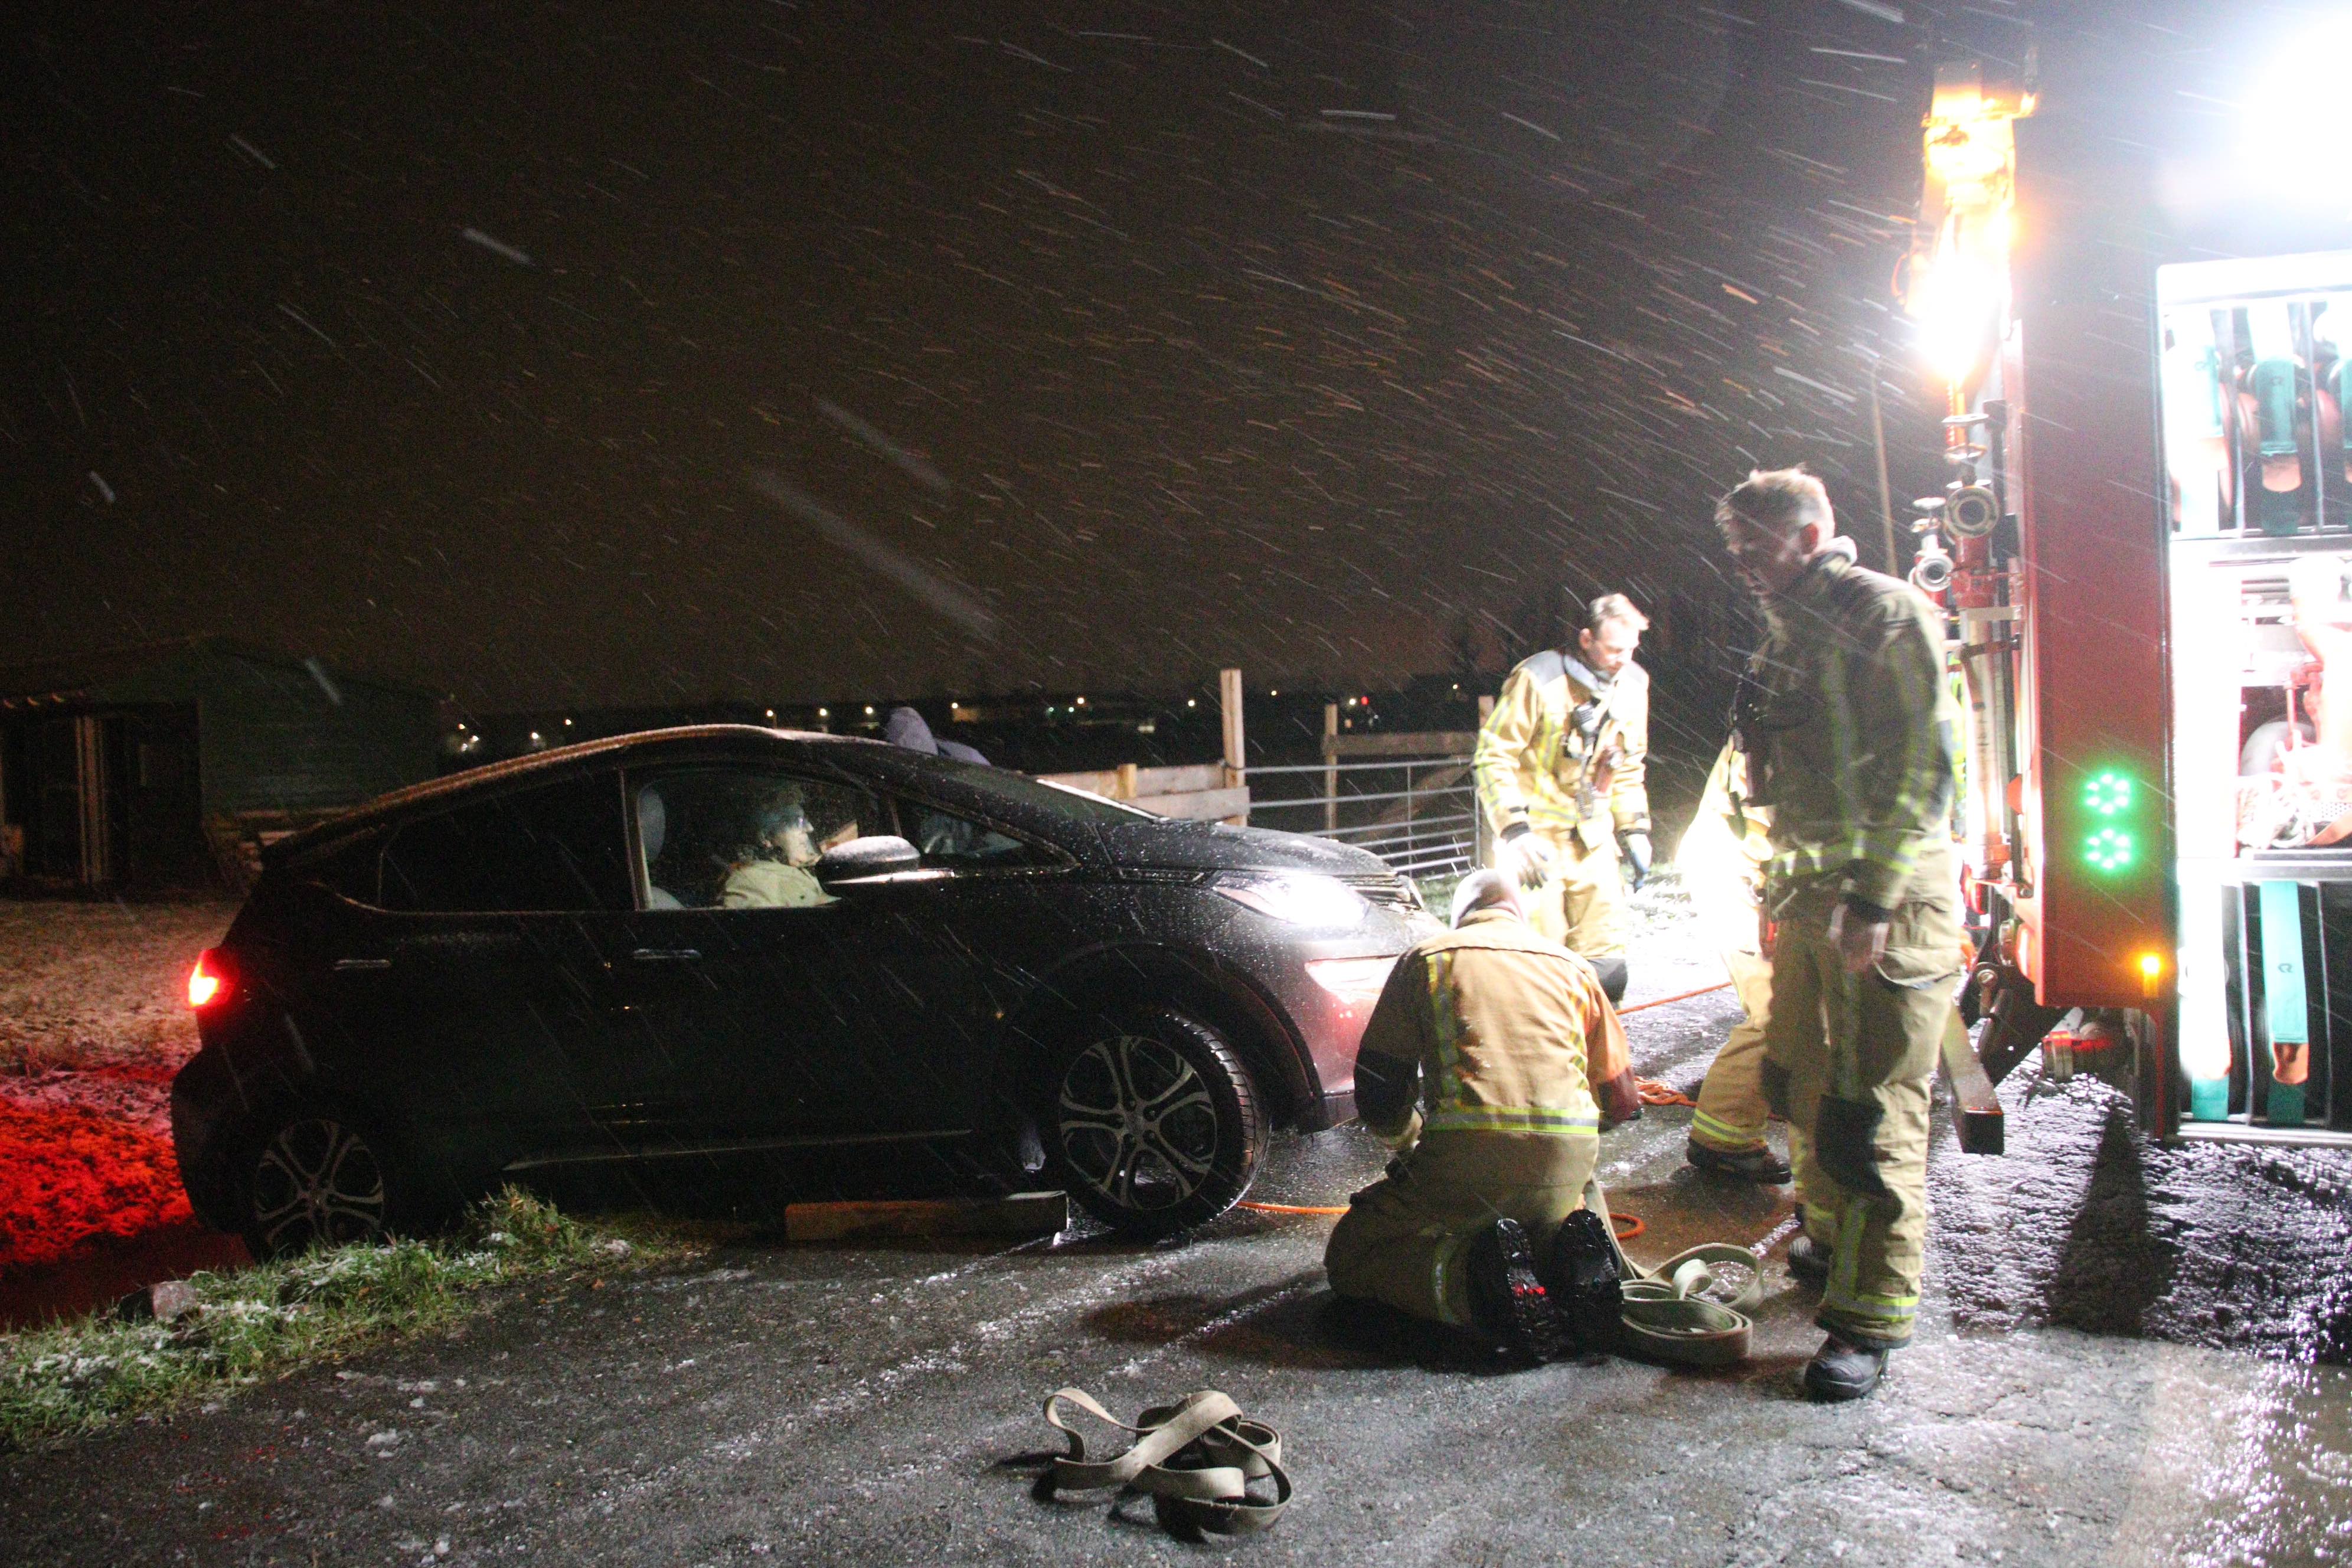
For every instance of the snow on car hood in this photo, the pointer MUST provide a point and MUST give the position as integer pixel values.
(1214, 847)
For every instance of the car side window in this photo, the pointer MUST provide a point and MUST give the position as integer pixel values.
(353, 868)
(743, 837)
(558, 846)
(950, 841)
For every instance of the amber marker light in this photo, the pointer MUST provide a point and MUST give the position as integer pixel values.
(2151, 973)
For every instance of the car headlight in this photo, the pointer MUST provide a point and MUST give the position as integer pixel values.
(1295, 898)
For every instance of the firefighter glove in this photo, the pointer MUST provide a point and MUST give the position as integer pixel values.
(1636, 846)
(1843, 1130)
(1530, 856)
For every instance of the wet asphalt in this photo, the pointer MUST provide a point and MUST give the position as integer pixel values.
(2117, 1366)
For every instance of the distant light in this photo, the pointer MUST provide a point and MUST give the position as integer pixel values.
(1273, 694)
(1191, 703)
(1082, 701)
(772, 713)
(1351, 702)
(824, 713)
(567, 723)
(1457, 686)
(534, 734)
(869, 710)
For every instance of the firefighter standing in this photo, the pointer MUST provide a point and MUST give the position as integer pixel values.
(1491, 1060)
(1562, 766)
(1722, 857)
(1846, 723)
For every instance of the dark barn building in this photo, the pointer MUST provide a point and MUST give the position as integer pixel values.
(157, 765)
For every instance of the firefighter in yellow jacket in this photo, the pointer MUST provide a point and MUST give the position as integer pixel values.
(1562, 769)
(1847, 725)
(1721, 858)
(1492, 1061)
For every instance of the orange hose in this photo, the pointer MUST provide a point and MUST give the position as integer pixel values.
(1683, 997)
(1627, 1226)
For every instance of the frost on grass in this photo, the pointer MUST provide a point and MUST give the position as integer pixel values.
(56, 1383)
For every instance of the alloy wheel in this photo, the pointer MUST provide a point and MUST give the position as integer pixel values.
(1138, 1123)
(317, 1183)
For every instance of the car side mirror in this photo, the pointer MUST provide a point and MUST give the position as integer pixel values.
(875, 855)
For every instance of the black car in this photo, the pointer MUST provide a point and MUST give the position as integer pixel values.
(703, 944)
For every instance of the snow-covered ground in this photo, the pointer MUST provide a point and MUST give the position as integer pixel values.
(86, 984)
(93, 1022)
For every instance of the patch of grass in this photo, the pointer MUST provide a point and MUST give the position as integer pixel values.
(61, 1382)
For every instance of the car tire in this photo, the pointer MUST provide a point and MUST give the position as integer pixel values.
(1150, 1122)
(313, 1179)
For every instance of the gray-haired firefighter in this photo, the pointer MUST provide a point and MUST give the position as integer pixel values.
(1847, 725)
(1492, 1061)
(1562, 767)
(1722, 857)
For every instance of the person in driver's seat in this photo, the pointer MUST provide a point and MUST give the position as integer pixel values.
(773, 871)
(652, 830)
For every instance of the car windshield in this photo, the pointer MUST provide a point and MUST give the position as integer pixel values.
(1021, 790)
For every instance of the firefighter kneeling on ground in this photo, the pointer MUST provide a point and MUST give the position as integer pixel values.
(1492, 1061)
(1562, 766)
(1848, 731)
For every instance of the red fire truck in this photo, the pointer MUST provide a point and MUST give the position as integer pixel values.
(2145, 548)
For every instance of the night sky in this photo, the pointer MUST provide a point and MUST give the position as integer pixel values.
(591, 353)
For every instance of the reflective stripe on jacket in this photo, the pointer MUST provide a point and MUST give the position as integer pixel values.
(1489, 1028)
(1533, 766)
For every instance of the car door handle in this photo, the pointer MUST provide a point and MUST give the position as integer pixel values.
(664, 955)
(357, 965)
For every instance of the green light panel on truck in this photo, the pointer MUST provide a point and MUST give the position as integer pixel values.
(2110, 798)
(2107, 793)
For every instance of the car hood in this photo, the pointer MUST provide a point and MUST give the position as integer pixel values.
(1214, 847)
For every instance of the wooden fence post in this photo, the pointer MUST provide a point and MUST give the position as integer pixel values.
(1330, 766)
(1229, 700)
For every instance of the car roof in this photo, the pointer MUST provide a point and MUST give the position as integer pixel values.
(644, 746)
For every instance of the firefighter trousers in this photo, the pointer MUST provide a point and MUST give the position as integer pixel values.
(1731, 1110)
(1870, 1039)
(1401, 1240)
(1582, 905)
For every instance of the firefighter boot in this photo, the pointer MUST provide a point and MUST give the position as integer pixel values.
(1840, 1372)
(1760, 1166)
(1581, 1278)
(1508, 1302)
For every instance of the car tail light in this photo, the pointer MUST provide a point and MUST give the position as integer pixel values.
(1355, 981)
(208, 980)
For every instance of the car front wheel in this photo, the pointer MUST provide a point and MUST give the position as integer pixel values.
(1153, 1125)
(315, 1180)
